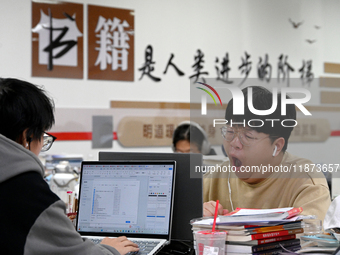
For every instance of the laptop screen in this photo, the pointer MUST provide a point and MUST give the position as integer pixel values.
(126, 197)
(188, 190)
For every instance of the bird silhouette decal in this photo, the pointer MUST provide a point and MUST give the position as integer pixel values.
(310, 41)
(295, 24)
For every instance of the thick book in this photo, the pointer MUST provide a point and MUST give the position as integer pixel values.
(244, 214)
(250, 229)
(266, 229)
(240, 222)
(264, 241)
(259, 248)
(242, 238)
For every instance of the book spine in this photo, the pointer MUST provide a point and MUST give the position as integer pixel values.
(273, 228)
(279, 251)
(276, 234)
(276, 239)
(276, 245)
(268, 229)
(251, 226)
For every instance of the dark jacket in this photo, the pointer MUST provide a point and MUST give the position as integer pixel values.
(32, 217)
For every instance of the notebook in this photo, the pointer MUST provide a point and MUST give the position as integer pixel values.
(134, 199)
(188, 190)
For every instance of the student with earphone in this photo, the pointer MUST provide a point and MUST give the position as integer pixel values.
(262, 174)
(191, 137)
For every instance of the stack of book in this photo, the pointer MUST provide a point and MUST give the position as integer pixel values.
(258, 232)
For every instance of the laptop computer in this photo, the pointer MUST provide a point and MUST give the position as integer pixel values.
(134, 199)
(188, 202)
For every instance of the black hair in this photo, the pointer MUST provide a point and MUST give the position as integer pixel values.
(24, 106)
(263, 100)
(188, 133)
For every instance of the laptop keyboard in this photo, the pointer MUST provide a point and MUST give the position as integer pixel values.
(96, 240)
(144, 246)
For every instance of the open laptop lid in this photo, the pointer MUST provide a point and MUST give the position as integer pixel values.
(133, 199)
(188, 190)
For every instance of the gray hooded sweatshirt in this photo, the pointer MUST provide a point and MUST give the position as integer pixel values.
(32, 217)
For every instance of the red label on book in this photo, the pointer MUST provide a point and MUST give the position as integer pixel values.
(277, 233)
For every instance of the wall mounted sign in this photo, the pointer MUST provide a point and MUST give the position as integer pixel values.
(57, 40)
(110, 43)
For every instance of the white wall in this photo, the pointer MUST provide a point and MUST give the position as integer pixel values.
(181, 27)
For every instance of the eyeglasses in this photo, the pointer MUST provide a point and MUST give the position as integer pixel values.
(48, 141)
(246, 137)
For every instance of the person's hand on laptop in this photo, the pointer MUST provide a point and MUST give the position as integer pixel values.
(121, 244)
(209, 209)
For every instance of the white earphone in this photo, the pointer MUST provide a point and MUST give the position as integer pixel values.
(275, 151)
(231, 201)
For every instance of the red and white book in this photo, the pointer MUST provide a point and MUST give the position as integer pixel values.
(245, 238)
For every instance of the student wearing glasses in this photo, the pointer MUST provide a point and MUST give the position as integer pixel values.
(262, 171)
(33, 219)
